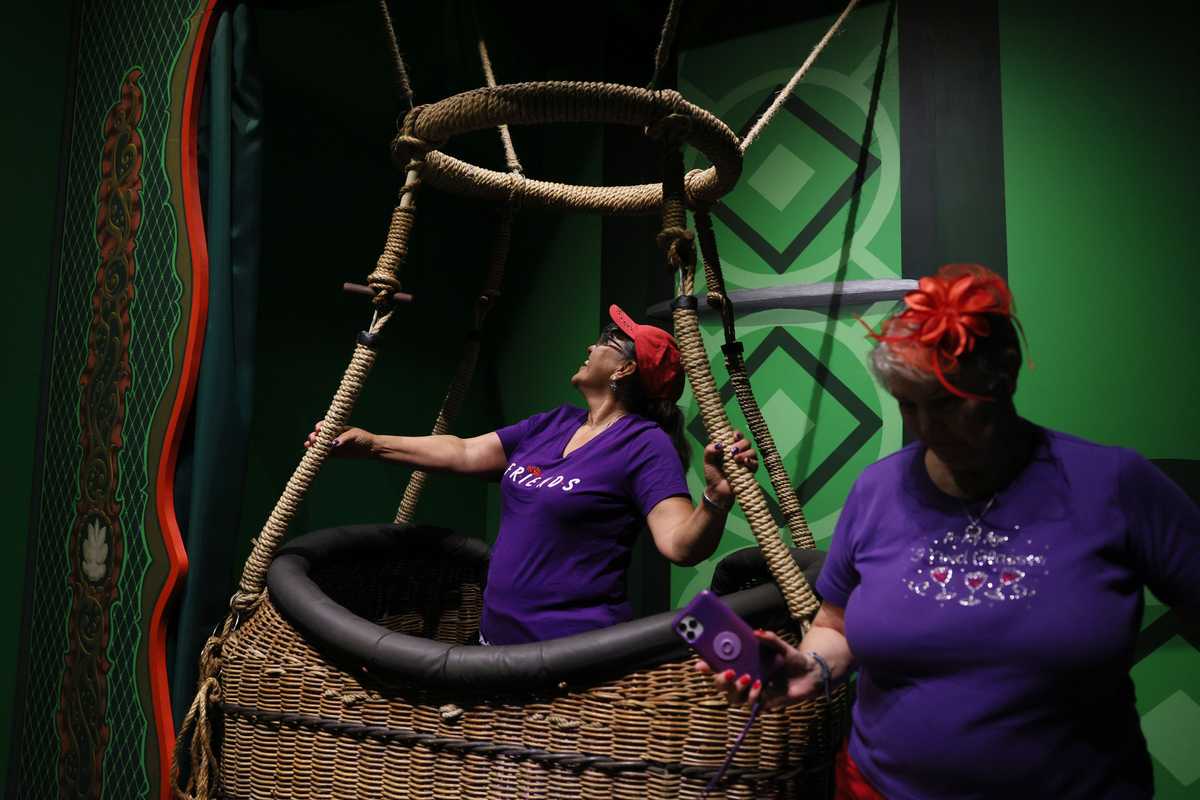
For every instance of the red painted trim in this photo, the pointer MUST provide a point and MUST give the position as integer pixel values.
(164, 484)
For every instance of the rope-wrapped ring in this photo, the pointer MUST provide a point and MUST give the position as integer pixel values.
(571, 101)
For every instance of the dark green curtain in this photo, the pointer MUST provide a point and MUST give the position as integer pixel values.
(212, 464)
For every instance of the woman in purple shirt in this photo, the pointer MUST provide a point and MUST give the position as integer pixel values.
(578, 485)
(987, 580)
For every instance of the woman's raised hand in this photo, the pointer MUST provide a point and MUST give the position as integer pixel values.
(800, 670)
(715, 455)
(350, 443)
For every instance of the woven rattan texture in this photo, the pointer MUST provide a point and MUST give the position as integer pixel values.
(348, 736)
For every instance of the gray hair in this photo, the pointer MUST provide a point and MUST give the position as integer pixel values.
(990, 357)
(884, 364)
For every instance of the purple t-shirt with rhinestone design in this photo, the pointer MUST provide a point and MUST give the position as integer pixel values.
(994, 660)
(568, 523)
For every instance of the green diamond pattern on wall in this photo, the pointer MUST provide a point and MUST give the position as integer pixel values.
(818, 201)
(858, 421)
(784, 180)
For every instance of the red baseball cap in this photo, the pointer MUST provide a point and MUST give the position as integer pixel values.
(657, 357)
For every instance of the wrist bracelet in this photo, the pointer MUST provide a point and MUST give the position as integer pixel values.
(713, 503)
(826, 673)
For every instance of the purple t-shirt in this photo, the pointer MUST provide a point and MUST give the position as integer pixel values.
(567, 524)
(996, 662)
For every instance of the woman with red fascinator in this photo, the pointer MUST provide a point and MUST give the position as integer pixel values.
(986, 581)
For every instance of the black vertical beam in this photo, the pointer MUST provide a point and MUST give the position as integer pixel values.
(632, 271)
(951, 136)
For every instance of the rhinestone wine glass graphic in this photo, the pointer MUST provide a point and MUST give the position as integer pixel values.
(1009, 578)
(941, 576)
(973, 581)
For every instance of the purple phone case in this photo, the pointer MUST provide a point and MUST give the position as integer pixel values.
(723, 639)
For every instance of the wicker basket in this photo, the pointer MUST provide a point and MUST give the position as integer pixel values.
(353, 679)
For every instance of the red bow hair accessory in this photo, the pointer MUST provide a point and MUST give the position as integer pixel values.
(944, 318)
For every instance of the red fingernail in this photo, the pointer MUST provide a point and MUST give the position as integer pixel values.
(742, 681)
(759, 630)
(727, 674)
(757, 685)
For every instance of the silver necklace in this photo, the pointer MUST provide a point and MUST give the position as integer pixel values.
(974, 524)
(607, 425)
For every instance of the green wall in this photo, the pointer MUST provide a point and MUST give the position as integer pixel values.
(33, 49)
(1101, 167)
(790, 173)
(1100, 122)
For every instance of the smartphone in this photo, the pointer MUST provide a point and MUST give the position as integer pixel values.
(725, 641)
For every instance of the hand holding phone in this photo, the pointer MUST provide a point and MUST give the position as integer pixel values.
(725, 641)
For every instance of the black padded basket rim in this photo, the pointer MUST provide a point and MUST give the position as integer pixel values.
(360, 645)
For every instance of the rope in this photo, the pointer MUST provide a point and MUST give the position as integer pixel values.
(573, 101)
(510, 153)
(384, 280)
(255, 572)
(204, 771)
(461, 384)
(404, 91)
(780, 98)
(665, 41)
(718, 298)
(801, 602)
(196, 724)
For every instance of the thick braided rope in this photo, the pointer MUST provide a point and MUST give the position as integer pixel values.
(789, 502)
(801, 602)
(384, 280)
(195, 739)
(574, 101)
(254, 574)
(204, 772)
(796, 592)
(458, 177)
(782, 97)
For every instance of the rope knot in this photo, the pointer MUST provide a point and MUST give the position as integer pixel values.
(383, 286)
(678, 244)
(412, 184)
(671, 129)
(516, 187)
(407, 145)
(245, 602)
